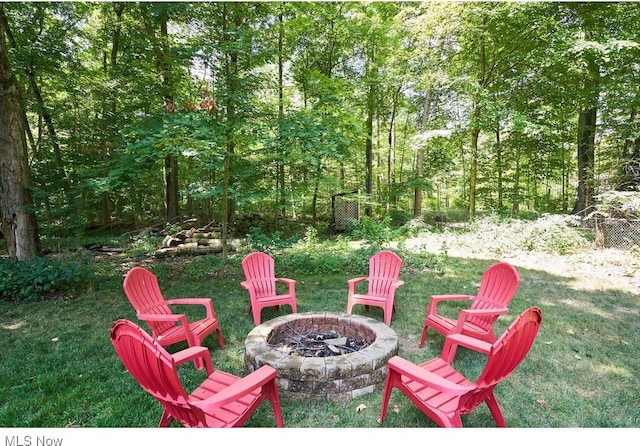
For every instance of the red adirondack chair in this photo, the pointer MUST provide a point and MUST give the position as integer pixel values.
(259, 272)
(444, 394)
(222, 400)
(142, 290)
(384, 269)
(497, 288)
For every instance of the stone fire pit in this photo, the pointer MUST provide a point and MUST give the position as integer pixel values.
(330, 378)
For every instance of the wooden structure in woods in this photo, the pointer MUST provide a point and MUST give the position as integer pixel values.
(345, 208)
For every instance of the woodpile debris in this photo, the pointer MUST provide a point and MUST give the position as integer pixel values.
(195, 242)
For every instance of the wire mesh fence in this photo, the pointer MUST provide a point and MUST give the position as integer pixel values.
(617, 233)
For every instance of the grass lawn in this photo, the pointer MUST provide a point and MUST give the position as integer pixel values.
(59, 368)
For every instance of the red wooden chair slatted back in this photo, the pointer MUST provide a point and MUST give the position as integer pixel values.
(382, 283)
(261, 283)
(498, 286)
(259, 269)
(444, 394)
(143, 291)
(154, 369)
(222, 400)
(384, 270)
(505, 355)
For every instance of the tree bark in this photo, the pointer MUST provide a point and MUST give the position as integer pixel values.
(19, 224)
(586, 149)
(163, 61)
(417, 193)
(369, 148)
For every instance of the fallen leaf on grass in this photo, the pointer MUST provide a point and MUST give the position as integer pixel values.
(543, 404)
(396, 408)
(570, 331)
(360, 408)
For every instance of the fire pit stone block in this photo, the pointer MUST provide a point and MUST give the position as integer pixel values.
(331, 378)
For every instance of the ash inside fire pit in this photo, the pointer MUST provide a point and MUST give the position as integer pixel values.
(319, 344)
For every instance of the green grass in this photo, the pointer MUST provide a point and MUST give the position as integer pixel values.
(59, 368)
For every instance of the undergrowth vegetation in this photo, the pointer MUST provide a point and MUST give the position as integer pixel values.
(71, 271)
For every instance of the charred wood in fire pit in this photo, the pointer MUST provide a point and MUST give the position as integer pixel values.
(320, 344)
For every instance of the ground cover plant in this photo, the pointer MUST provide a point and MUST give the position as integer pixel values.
(59, 368)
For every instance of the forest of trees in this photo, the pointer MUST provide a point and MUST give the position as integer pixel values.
(134, 113)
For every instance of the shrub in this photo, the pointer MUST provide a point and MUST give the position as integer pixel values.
(38, 279)
(259, 241)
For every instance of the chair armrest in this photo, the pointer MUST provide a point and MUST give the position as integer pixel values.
(287, 281)
(467, 342)
(353, 282)
(238, 389)
(441, 297)
(291, 284)
(436, 299)
(162, 317)
(204, 301)
(417, 373)
(485, 312)
(466, 314)
(181, 318)
(191, 353)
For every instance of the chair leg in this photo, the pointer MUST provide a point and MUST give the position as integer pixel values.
(220, 339)
(384, 407)
(274, 399)
(449, 352)
(388, 312)
(494, 408)
(165, 419)
(423, 337)
(256, 315)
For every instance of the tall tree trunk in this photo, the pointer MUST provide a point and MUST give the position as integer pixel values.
(499, 165)
(516, 181)
(473, 169)
(586, 151)
(369, 148)
(19, 224)
(391, 157)
(586, 143)
(280, 185)
(43, 111)
(231, 72)
(417, 193)
(110, 111)
(171, 160)
(163, 62)
(586, 137)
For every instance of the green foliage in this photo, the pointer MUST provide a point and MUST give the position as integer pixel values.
(373, 232)
(40, 278)
(257, 240)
